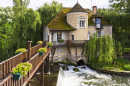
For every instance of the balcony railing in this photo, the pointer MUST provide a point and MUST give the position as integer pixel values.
(70, 43)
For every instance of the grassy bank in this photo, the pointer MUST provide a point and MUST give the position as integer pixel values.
(119, 64)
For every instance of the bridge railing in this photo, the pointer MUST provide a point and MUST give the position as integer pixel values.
(6, 66)
(36, 61)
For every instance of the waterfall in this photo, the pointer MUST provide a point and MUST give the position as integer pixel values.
(60, 80)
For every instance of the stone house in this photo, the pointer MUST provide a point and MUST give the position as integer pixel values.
(75, 26)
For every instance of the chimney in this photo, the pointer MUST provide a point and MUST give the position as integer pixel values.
(95, 9)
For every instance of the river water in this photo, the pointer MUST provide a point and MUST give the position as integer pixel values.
(89, 77)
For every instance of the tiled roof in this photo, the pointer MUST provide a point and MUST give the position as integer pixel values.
(59, 22)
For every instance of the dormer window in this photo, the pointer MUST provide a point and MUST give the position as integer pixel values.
(81, 22)
(98, 23)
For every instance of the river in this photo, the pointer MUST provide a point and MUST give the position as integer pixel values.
(89, 77)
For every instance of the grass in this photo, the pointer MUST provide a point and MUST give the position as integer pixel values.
(119, 64)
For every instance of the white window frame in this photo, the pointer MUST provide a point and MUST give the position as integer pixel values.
(78, 22)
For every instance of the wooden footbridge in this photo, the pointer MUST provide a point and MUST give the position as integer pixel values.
(30, 56)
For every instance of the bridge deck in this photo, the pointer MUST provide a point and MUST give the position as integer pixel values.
(35, 60)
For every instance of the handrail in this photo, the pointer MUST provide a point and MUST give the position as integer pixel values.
(7, 65)
(36, 61)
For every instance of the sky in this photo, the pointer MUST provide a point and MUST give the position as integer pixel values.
(66, 3)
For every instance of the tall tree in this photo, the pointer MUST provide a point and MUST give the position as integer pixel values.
(20, 6)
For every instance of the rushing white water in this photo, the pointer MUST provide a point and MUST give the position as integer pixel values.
(89, 77)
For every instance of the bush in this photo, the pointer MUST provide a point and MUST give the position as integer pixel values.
(61, 40)
(39, 42)
(127, 67)
(42, 50)
(127, 50)
(49, 43)
(20, 50)
(22, 68)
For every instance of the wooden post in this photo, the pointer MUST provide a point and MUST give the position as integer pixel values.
(48, 65)
(42, 74)
(29, 49)
(29, 56)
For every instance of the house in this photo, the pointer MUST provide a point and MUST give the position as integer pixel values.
(75, 26)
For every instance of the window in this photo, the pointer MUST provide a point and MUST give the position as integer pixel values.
(72, 36)
(82, 24)
(59, 36)
(98, 23)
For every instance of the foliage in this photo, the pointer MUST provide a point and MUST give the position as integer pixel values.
(20, 6)
(20, 50)
(61, 40)
(76, 69)
(48, 11)
(120, 5)
(127, 50)
(121, 25)
(39, 42)
(42, 50)
(119, 64)
(102, 48)
(22, 68)
(50, 43)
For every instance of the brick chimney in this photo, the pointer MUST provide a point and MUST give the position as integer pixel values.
(95, 9)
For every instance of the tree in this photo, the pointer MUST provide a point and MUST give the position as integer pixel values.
(120, 5)
(102, 48)
(48, 11)
(20, 6)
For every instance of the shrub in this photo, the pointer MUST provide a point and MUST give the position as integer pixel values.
(50, 43)
(39, 42)
(22, 68)
(127, 67)
(127, 50)
(20, 50)
(61, 40)
(42, 50)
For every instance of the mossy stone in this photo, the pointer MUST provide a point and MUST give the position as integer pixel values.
(76, 69)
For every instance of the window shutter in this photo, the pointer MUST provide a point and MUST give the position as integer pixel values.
(55, 37)
(102, 33)
(63, 35)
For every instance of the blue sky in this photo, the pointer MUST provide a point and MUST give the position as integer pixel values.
(66, 3)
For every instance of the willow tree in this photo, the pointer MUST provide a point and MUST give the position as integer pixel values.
(102, 48)
(27, 27)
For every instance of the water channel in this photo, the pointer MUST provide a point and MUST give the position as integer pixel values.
(89, 77)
